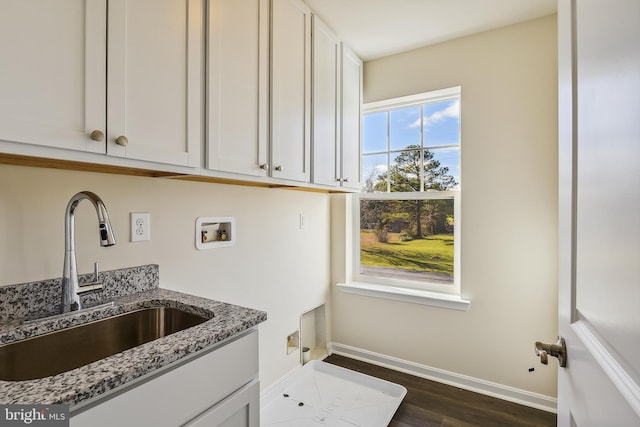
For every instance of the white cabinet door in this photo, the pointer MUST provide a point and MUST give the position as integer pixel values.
(53, 73)
(599, 204)
(351, 95)
(337, 100)
(179, 393)
(325, 114)
(154, 87)
(290, 89)
(241, 409)
(237, 90)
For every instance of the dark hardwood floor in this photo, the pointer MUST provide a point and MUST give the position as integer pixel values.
(432, 404)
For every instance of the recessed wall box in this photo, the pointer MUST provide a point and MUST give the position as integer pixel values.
(293, 341)
(215, 232)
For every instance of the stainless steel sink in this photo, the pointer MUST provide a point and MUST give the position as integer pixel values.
(70, 348)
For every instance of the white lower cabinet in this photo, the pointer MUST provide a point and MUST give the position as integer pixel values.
(216, 388)
(241, 409)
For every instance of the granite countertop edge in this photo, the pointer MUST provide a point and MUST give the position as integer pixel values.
(92, 380)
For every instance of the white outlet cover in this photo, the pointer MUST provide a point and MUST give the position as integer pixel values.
(140, 226)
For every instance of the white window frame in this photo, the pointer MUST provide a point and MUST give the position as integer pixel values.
(441, 295)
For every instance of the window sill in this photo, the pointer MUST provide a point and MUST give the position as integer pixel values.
(416, 296)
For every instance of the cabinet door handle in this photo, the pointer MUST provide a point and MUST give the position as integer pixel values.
(122, 140)
(264, 166)
(279, 168)
(97, 135)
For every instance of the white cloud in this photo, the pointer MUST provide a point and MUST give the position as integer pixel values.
(452, 111)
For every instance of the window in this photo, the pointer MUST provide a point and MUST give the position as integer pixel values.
(408, 214)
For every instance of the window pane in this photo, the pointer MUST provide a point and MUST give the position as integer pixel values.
(441, 122)
(404, 128)
(442, 168)
(405, 169)
(374, 176)
(407, 239)
(374, 132)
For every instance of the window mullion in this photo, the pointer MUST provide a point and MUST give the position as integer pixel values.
(388, 152)
(422, 148)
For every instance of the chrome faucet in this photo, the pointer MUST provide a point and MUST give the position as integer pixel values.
(71, 290)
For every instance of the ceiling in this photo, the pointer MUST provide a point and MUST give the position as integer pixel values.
(376, 28)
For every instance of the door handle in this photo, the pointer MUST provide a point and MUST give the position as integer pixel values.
(558, 350)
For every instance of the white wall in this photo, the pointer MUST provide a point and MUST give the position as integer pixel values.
(509, 210)
(275, 266)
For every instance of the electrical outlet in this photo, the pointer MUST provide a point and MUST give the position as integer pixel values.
(140, 226)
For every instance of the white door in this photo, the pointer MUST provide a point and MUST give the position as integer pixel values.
(599, 124)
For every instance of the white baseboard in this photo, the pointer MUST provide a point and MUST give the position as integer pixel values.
(511, 394)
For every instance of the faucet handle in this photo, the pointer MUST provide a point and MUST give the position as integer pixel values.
(96, 271)
(96, 285)
(89, 287)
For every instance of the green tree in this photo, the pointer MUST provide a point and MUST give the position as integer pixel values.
(414, 168)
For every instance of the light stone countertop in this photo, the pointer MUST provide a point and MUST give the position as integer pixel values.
(92, 380)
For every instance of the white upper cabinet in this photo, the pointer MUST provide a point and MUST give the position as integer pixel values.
(238, 86)
(154, 80)
(148, 97)
(325, 119)
(290, 89)
(59, 84)
(52, 78)
(351, 123)
(337, 99)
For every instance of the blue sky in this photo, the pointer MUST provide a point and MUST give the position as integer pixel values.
(441, 126)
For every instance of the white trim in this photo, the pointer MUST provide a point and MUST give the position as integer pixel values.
(411, 295)
(511, 394)
(407, 101)
(415, 195)
(616, 373)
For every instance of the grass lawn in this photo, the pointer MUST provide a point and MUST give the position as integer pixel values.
(433, 253)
